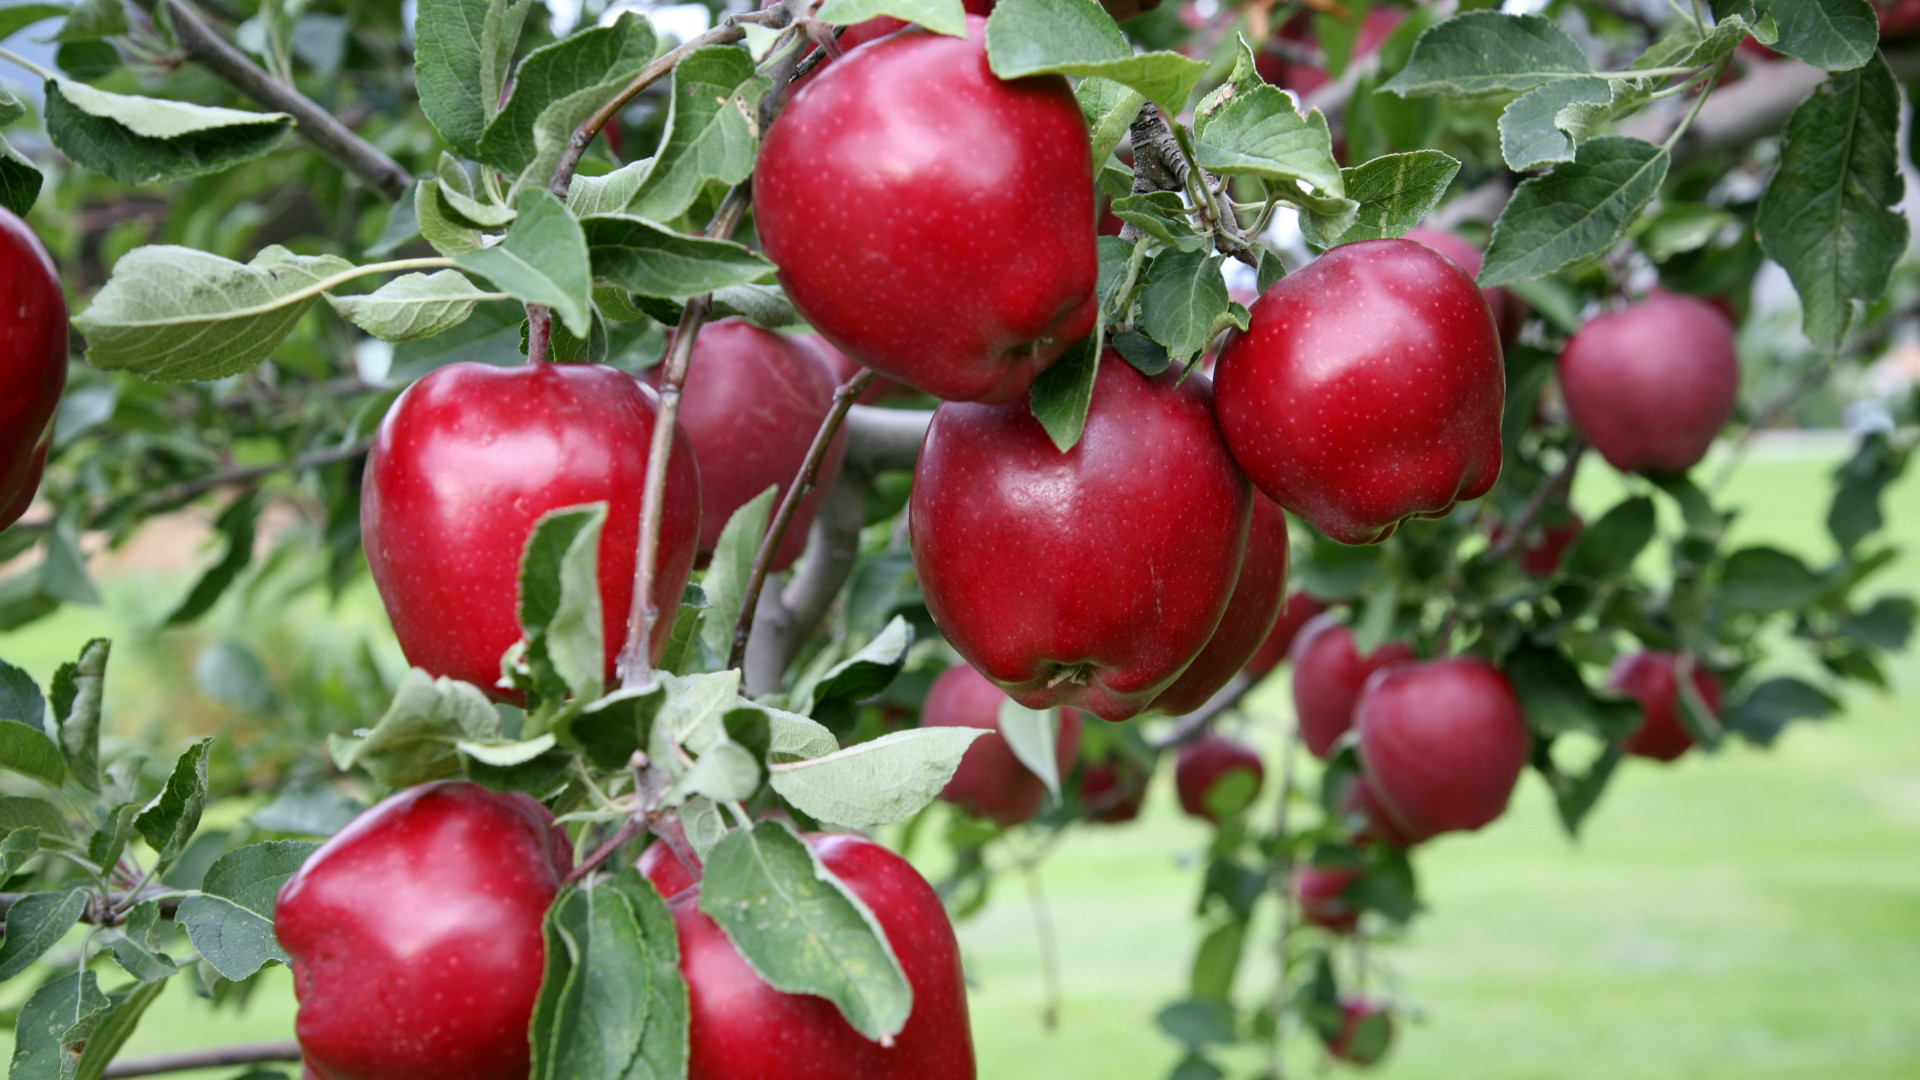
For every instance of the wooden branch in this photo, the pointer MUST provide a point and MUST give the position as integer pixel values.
(216, 1058)
(783, 622)
(882, 439)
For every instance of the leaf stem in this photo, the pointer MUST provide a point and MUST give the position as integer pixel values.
(15, 58)
(1686, 121)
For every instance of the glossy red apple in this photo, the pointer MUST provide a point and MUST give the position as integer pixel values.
(1367, 389)
(1442, 743)
(415, 935)
(1652, 679)
(751, 405)
(931, 220)
(469, 459)
(1898, 18)
(1114, 790)
(33, 362)
(1328, 674)
(1320, 890)
(878, 27)
(1204, 765)
(1509, 311)
(1257, 599)
(1301, 606)
(1652, 383)
(991, 782)
(1090, 578)
(743, 1029)
(1366, 1032)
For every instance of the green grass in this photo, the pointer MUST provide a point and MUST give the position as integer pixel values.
(1753, 916)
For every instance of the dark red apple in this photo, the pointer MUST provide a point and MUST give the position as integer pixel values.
(465, 463)
(1301, 606)
(1114, 790)
(1366, 1032)
(1442, 743)
(415, 935)
(1652, 383)
(1367, 389)
(1257, 599)
(1367, 820)
(1090, 578)
(33, 362)
(1328, 673)
(1204, 765)
(743, 1029)
(752, 403)
(1509, 311)
(931, 220)
(1122, 10)
(1303, 76)
(1652, 679)
(878, 27)
(670, 875)
(991, 782)
(1898, 18)
(1320, 892)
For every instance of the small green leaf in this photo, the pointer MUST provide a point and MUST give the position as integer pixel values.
(29, 752)
(35, 924)
(1185, 296)
(1763, 579)
(305, 809)
(59, 1005)
(17, 17)
(1860, 485)
(712, 131)
(20, 845)
(230, 920)
(20, 698)
(1255, 130)
(612, 1002)
(1578, 210)
(236, 528)
(1061, 395)
(1486, 52)
(732, 566)
(77, 690)
(1161, 215)
(1033, 734)
(1837, 35)
(599, 60)
(463, 52)
(559, 607)
(865, 673)
(878, 782)
(1607, 548)
(1395, 193)
(20, 180)
(1109, 108)
(543, 260)
(1557, 700)
(414, 741)
(170, 820)
(590, 196)
(1077, 37)
(653, 260)
(412, 306)
(91, 20)
(1545, 124)
(26, 812)
(1768, 708)
(439, 225)
(940, 16)
(143, 141)
(135, 946)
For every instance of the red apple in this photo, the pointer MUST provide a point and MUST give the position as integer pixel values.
(743, 1029)
(1090, 578)
(1366, 1032)
(1652, 383)
(1368, 389)
(465, 463)
(1257, 599)
(1122, 10)
(1208, 762)
(752, 403)
(1546, 545)
(1328, 674)
(991, 782)
(670, 875)
(1301, 606)
(1442, 743)
(1898, 18)
(1319, 891)
(1509, 311)
(1652, 679)
(1303, 77)
(415, 935)
(33, 362)
(931, 220)
(1114, 790)
(1368, 820)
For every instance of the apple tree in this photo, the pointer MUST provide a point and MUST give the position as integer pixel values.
(759, 430)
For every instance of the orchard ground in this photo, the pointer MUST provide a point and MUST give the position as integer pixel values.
(1754, 917)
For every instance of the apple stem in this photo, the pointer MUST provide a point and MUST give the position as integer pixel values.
(803, 483)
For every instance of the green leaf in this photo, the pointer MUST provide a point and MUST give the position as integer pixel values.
(21, 844)
(60, 1004)
(1061, 395)
(1768, 708)
(1161, 215)
(594, 64)
(439, 225)
(35, 924)
(306, 809)
(691, 715)
(414, 741)
(1545, 124)
(1185, 296)
(412, 306)
(1887, 624)
(26, 812)
(712, 131)
(109, 840)
(590, 196)
(1077, 37)
(1578, 210)
(77, 689)
(612, 1002)
(236, 527)
(543, 260)
(170, 820)
(1557, 700)
(20, 180)
(687, 621)
(463, 51)
(17, 17)
(1486, 52)
(1836, 35)
(20, 698)
(724, 772)
(143, 141)
(1763, 579)
(559, 607)
(1607, 548)
(1828, 215)
(792, 737)
(865, 673)
(1255, 130)
(1395, 193)
(230, 920)
(29, 752)
(653, 260)
(732, 566)
(878, 782)
(801, 930)
(1859, 488)
(1109, 108)
(136, 947)
(940, 16)
(91, 20)
(173, 314)
(1033, 734)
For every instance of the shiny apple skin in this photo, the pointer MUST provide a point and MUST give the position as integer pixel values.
(1367, 389)
(469, 459)
(845, 368)
(1301, 607)
(1442, 743)
(751, 405)
(1328, 674)
(933, 222)
(1509, 311)
(1257, 599)
(1651, 384)
(1319, 889)
(1204, 763)
(743, 1029)
(669, 875)
(991, 782)
(1110, 564)
(33, 362)
(415, 935)
(1652, 679)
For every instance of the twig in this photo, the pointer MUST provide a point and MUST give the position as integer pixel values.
(188, 489)
(882, 439)
(1553, 490)
(629, 829)
(111, 912)
(1193, 723)
(1160, 164)
(809, 475)
(1283, 886)
(216, 1058)
(316, 125)
(783, 622)
(1049, 948)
